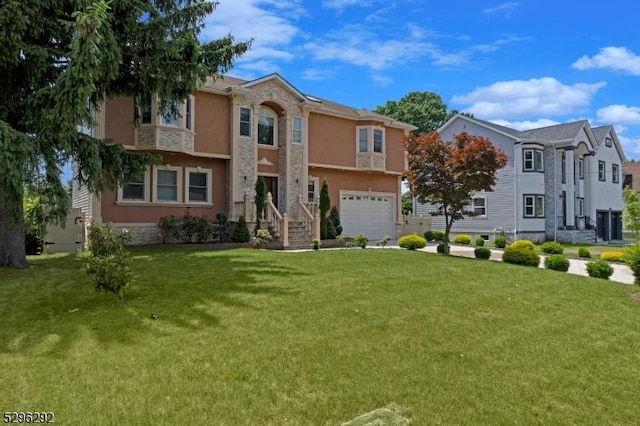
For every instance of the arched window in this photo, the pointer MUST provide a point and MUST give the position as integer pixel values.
(267, 127)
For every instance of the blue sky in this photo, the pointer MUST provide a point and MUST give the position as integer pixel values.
(521, 64)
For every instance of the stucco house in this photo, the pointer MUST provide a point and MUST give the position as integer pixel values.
(561, 183)
(229, 132)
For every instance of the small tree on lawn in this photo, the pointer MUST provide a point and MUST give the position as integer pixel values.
(334, 216)
(631, 212)
(447, 174)
(261, 196)
(325, 205)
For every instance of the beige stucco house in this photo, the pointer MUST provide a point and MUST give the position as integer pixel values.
(231, 131)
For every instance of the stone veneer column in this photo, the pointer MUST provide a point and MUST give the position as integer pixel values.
(551, 193)
(570, 187)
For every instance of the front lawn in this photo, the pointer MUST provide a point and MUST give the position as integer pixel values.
(260, 337)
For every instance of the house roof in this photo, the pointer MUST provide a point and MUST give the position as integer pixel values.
(559, 132)
(601, 132)
(227, 83)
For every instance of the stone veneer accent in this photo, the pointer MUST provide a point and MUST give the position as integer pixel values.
(551, 199)
(141, 234)
(145, 137)
(169, 139)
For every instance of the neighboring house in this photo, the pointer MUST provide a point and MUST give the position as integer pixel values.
(231, 131)
(561, 183)
(631, 173)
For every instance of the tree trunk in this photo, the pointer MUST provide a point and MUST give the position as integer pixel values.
(12, 248)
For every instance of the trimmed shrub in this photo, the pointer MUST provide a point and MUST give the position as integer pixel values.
(551, 247)
(584, 252)
(632, 259)
(429, 236)
(334, 216)
(479, 242)
(438, 235)
(361, 240)
(520, 256)
(241, 232)
(522, 244)
(412, 242)
(109, 261)
(169, 227)
(500, 241)
(462, 239)
(482, 253)
(440, 248)
(262, 238)
(557, 262)
(612, 256)
(315, 244)
(331, 230)
(599, 269)
(222, 226)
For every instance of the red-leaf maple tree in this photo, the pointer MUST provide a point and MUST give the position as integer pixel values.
(448, 174)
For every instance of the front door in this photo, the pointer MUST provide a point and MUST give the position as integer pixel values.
(616, 225)
(271, 184)
(602, 219)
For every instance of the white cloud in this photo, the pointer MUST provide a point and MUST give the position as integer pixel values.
(505, 8)
(527, 124)
(619, 114)
(381, 80)
(339, 5)
(270, 23)
(524, 98)
(318, 74)
(611, 57)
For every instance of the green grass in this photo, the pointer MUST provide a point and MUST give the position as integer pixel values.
(260, 337)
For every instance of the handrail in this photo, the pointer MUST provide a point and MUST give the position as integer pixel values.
(273, 216)
(305, 216)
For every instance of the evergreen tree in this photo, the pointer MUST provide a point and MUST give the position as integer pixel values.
(334, 216)
(241, 232)
(59, 59)
(325, 204)
(261, 197)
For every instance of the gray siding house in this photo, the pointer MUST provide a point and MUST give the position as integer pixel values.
(561, 183)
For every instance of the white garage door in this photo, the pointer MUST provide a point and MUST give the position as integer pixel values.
(371, 215)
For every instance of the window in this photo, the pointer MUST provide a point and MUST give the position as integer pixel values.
(189, 114)
(312, 188)
(580, 206)
(615, 173)
(169, 117)
(581, 168)
(145, 110)
(167, 186)
(198, 185)
(534, 206)
(608, 142)
(602, 175)
(563, 173)
(296, 130)
(136, 187)
(363, 140)
(377, 140)
(533, 160)
(266, 128)
(245, 122)
(479, 205)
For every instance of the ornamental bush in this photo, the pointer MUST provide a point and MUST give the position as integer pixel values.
(482, 253)
(108, 263)
(557, 262)
(241, 232)
(520, 256)
(522, 244)
(169, 227)
(584, 252)
(438, 235)
(612, 256)
(361, 240)
(462, 239)
(632, 259)
(262, 238)
(429, 236)
(412, 242)
(551, 247)
(599, 269)
(479, 242)
(500, 241)
(440, 248)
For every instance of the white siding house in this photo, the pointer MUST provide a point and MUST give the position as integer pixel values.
(561, 182)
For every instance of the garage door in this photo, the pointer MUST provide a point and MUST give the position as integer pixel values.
(371, 215)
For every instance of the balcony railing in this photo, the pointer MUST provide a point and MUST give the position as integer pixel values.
(164, 138)
(371, 161)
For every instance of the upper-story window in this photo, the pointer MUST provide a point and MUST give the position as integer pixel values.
(371, 139)
(602, 172)
(188, 116)
(479, 204)
(563, 168)
(581, 168)
(267, 127)
(363, 140)
(533, 160)
(245, 122)
(145, 110)
(296, 130)
(615, 173)
(170, 115)
(608, 142)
